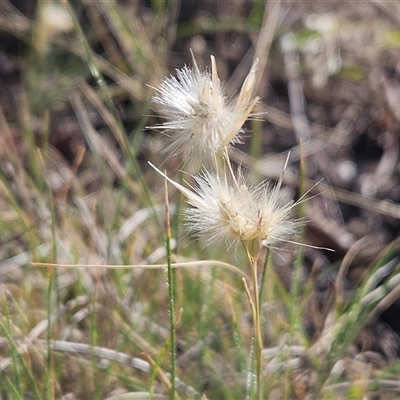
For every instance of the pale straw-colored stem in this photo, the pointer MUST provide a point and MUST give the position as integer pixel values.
(255, 307)
(188, 264)
(229, 165)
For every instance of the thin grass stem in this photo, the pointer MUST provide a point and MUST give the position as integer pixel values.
(98, 76)
(257, 331)
(155, 367)
(267, 261)
(171, 292)
(13, 350)
(93, 334)
(50, 279)
(30, 379)
(12, 389)
(258, 345)
(188, 264)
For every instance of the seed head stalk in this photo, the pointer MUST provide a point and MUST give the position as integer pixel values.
(255, 308)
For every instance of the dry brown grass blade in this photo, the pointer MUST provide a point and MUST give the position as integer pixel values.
(322, 137)
(160, 373)
(134, 36)
(82, 348)
(99, 146)
(138, 396)
(105, 114)
(139, 340)
(11, 150)
(295, 88)
(13, 20)
(345, 265)
(264, 41)
(75, 166)
(384, 304)
(94, 15)
(384, 384)
(26, 343)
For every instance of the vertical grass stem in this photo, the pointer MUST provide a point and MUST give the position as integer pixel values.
(171, 291)
(255, 307)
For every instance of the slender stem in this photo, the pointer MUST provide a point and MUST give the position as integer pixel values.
(263, 276)
(171, 293)
(187, 264)
(249, 298)
(229, 165)
(257, 330)
(52, 287)
(93, 338)
(255, 307)
(48, 333)
(13, 350)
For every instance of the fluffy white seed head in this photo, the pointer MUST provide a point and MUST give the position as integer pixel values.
(200, 119)
(227, 213)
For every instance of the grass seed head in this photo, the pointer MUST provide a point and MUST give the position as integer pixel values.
(225, 212)
(229, 213)
(200, 118)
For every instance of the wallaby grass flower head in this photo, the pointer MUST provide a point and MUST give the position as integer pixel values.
(201, 119)
(226, 211)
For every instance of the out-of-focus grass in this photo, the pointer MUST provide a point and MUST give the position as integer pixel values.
(89, 333)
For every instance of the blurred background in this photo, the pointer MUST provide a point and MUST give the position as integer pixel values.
(76, 82)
